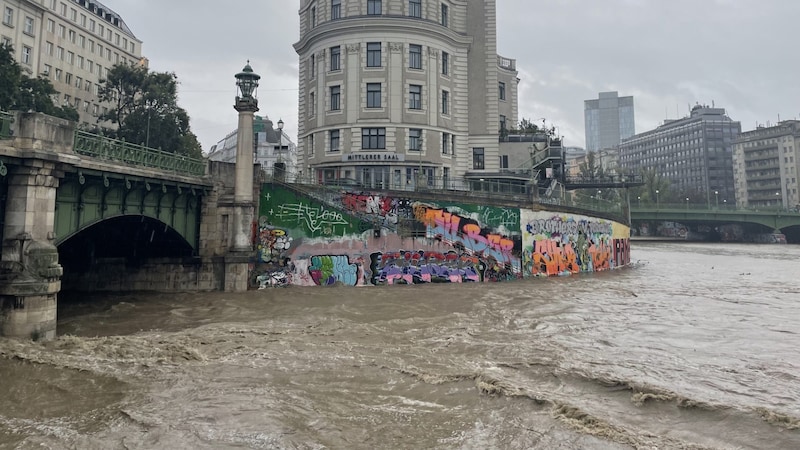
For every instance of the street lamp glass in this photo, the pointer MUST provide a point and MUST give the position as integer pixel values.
(280, 124)
(247, 81)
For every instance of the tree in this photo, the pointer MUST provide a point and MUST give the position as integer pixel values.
(10, 75)
(527, 127)
(20, 92)
(145, 109)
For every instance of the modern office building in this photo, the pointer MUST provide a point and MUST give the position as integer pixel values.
(608, 120)
(274, 150)
(401, 93)
(765, 162)
(695, 154)
(73, 43)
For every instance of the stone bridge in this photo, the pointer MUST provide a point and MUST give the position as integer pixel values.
(83, 212)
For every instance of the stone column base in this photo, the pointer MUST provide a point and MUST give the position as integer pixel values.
(28, 317)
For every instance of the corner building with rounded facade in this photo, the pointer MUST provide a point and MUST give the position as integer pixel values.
(401, 93)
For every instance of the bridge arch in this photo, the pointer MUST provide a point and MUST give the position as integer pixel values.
(84, 200)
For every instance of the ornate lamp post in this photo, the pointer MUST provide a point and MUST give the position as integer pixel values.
(246, 105)
(278, 167)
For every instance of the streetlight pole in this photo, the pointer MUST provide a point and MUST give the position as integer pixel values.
(246, 105)
(279, 164)
(657, 199)
(639, 201)
(687, 203)
(778, 199)
(716, 198)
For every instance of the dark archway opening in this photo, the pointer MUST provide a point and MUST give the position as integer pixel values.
(126, 241)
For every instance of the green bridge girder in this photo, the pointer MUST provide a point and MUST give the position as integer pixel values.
(86, 198)
(776, 220)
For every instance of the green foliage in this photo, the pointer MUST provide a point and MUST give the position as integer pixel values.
(145, 109)
(20, 92)
(10, 75)
(527, 127)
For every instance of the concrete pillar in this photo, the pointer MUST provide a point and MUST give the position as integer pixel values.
(30, 276)
(242, 254)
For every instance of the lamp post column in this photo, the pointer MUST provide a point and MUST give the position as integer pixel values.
(241, 251)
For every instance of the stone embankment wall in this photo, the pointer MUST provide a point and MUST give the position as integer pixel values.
(361, 238)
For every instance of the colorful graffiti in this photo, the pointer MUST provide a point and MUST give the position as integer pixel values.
(407, 267)
(467, 235)
(328, 270)
(567, 244)
(382, 208)
(304, 242)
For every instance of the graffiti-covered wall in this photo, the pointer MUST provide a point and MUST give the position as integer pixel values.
(358, 238)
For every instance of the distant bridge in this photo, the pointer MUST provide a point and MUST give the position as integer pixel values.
(691, 214)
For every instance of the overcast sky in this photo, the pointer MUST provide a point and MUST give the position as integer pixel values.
(668, 54)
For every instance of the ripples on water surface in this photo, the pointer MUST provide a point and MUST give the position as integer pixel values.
(698, 346)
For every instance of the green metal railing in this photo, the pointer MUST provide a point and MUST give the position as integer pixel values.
(123, 152)
(6, 119)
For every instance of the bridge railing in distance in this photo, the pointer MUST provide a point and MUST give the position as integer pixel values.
(6, 119)
(108, 149)
(492, 192)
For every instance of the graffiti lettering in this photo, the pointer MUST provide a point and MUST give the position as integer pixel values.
(313, 218)
(330, 270)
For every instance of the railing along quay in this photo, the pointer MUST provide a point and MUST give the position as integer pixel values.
(6, 119)
(108, 149)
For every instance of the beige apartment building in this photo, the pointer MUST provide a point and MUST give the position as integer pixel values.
(73, 43)
(402, 93)
(765, 162)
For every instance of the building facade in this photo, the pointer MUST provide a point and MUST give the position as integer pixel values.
(401, 93)
(695, 154)
(274, 150)
(72, 43)
(765, 166)
(608, 120)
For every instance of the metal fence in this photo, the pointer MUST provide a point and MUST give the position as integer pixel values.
(6, 119)
(108, 149)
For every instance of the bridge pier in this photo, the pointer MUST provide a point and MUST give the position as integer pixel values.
(30, 275)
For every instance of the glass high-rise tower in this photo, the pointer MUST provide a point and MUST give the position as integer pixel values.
(608, 120)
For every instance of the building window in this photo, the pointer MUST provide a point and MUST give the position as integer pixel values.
(26, 54)
(312, 66)
(336, 54)
(502, 123)
(61, 31)
(313, 16)
(504, 161)
(445, 63)
(445, 19)
(373, 54)
(311, 144)
(445, 143)
(415, 56)
(477, 158)
(51, 26)
(373, 138)
(336, 9)
(415, 8)
(6, 41)
(415, 96)
(374, 7)
(8, 17)
(335, 98)
(48, 48)
(333, 136)
(445, 102)
(501, 87)
(373, 95)
(28, 27)
(47, 69)
(415, 139)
